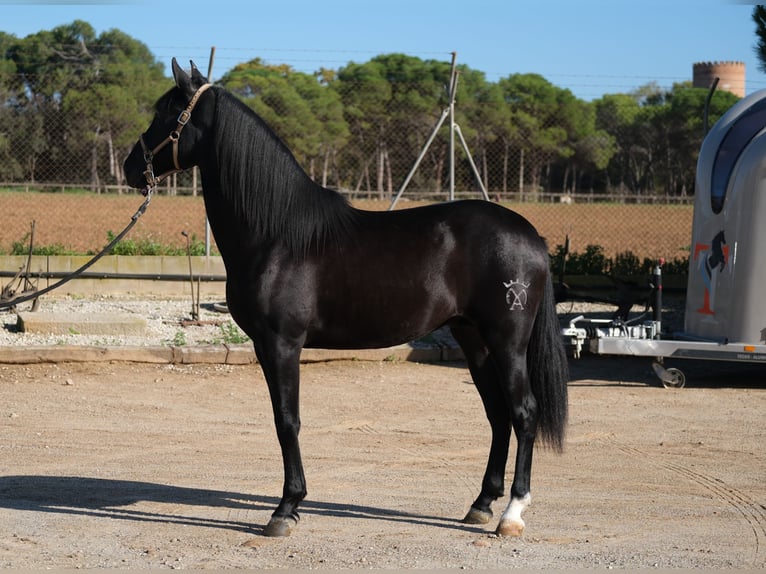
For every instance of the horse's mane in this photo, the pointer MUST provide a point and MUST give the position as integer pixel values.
(267, 188)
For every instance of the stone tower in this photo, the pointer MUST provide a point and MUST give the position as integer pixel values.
(731, 74)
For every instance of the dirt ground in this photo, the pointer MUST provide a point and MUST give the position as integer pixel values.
(137, 466)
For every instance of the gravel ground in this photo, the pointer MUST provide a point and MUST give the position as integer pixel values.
(169, 321)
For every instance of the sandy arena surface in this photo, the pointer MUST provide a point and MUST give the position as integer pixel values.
(138, 466)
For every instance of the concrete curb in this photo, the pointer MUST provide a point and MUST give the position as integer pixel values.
(63, 322)
(213, 354)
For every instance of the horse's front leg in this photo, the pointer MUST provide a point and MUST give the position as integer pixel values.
(281, 367)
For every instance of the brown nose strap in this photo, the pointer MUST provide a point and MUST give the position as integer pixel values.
(173, 137)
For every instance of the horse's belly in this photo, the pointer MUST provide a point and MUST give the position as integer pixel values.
(368, 322)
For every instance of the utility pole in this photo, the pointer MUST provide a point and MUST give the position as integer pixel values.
(454, 128)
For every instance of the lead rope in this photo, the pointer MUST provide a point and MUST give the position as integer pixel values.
(139, 212)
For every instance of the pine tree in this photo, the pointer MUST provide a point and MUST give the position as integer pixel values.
(759, 17)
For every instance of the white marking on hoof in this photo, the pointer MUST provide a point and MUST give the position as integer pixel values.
(511, 523)
(510, 529)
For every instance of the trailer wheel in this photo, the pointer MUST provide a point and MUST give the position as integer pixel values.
(673, 378)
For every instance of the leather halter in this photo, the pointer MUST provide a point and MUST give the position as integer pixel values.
(183, 119)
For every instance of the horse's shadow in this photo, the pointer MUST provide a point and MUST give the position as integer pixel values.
(114, 499)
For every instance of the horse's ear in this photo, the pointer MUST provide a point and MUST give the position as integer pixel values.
(196, 75)
(183, 81)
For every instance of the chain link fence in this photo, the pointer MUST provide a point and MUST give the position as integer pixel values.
(617, 173)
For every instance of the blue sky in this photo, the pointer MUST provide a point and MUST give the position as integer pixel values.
(592, 47)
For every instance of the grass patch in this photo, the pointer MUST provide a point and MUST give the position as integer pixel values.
(128, 246)
(232, 335)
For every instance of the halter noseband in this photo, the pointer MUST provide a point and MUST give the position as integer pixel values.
(183, 119)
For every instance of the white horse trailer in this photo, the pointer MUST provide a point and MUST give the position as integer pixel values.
(725, 313)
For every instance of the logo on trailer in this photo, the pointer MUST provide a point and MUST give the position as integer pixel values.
(711, 261)
(516, 296)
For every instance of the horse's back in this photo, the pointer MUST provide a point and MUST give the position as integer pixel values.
(469, 220)
(490, 235)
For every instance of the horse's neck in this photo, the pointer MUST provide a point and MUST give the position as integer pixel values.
(285, 207)
(227, 231)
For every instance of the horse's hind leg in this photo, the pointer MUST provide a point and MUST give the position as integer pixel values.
(487, 380)
(498, 362)
(523, 413)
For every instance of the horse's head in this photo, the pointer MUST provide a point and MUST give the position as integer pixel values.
(168, 145)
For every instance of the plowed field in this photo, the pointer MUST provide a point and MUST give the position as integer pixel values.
(81, 222)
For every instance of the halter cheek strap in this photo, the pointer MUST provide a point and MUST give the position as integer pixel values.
(173, 137)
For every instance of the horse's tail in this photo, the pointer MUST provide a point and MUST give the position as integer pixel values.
(549, 371)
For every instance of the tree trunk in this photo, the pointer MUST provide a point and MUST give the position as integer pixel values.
(381, 167)
(505, 168)
(94, 183)
(114, 169)
(389, 177)
(325, 167)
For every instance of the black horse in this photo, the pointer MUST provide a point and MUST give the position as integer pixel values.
(305, 269)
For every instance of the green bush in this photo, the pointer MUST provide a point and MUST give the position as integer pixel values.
(21, 247)
(592, 262)
(149, 246)
(127, 246)
(625, 264)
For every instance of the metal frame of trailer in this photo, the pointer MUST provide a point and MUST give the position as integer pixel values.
(609, 337)
(725, 314)
(617, 337)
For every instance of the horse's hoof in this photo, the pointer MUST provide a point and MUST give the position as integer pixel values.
(510, 528)
(279, 526)
(476, 516)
